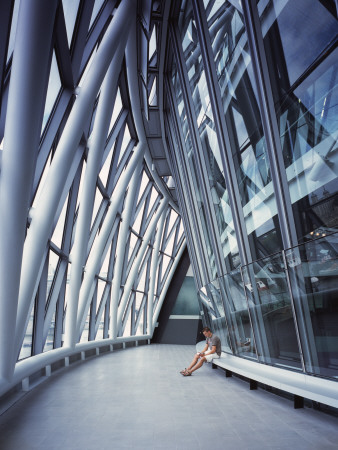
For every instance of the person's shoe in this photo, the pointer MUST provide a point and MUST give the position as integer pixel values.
(186, 373)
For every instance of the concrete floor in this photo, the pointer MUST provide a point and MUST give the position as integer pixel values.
(137, 399)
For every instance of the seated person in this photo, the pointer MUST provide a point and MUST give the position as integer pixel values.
(212, 350)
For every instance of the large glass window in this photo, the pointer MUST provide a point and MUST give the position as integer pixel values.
(270, 308)
(313, 269)
(207, 132)
(195, 179)
(240, 104)
(239, 323)
(303, 66)
(211, 300)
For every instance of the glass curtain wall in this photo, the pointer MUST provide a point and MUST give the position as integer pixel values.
(207, 134)
(241, 108)
(303, 68)
(191, 167)
(279, 309)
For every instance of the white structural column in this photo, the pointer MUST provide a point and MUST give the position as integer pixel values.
(27, 93)
(121, 248)
(95, 151)
(153, 270)
(42, 222)
(136, 265)
(100, 245)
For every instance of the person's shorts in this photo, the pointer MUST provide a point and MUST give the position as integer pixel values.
(209, 358)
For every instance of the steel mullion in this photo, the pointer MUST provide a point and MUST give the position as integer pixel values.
(67, 239)
(165, 275)
(269, 123)
(62, 50)
(184, 173)
(91, 330)
(121, 165)
(144, 263)
(102, 305)
(59, 314)
(106, 317)
(116, 136)
(54, 126)
(196, 143)
(165, 230)
(54, 294)
(126, 312)
(176, 235)
(145, 213)
(140, 311)
(96, 223)
(152, 211)
(171, 232)
(184, 208)
(39, 311)
(223, 136)
(144, 203)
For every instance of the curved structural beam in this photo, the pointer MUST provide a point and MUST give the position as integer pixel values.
(28, 86)
(95, 152)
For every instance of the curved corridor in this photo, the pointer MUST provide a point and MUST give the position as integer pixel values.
(136, 399)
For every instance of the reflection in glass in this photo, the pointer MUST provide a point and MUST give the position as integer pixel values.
(241, 109)
(313, 269)
(207, 132)
(243, 338)
(195, 180)
(210, 298)
(271, 311)
(304, 74)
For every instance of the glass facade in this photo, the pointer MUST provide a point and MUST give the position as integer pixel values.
(272, 298)
(304, 87)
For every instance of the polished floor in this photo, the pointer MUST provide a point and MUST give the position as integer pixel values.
(136, 399)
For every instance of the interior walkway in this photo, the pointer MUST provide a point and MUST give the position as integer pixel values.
(137, 399)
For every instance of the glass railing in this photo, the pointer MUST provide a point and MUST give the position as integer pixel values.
(313, 272)
(281, 310)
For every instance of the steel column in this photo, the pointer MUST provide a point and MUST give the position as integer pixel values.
(121, 250)
(154, 266)
(42, 223)
(100, 244)
(26, 101)
(134, 270)
(95, 151)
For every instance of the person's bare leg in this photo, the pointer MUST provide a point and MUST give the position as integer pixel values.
(193, 362)
(197, 365)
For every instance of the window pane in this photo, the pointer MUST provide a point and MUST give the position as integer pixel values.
(313, 269)
(304, 75)
(243, 119)
(271, 312)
